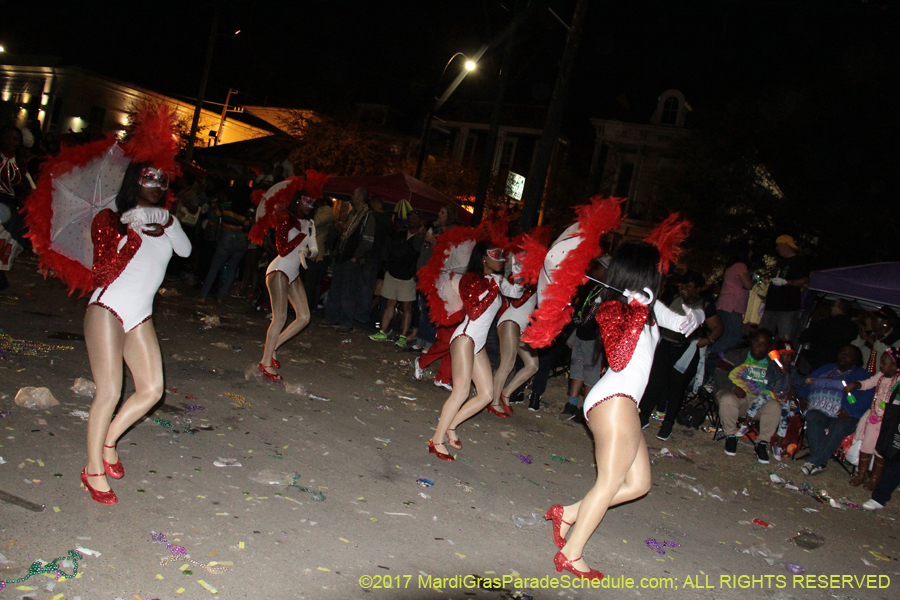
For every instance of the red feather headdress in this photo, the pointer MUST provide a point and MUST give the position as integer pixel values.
(315, 181)
(154, 139)
(594, 220)
(531, 249)
(668, 237)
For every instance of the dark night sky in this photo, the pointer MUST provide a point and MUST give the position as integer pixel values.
(830, 63)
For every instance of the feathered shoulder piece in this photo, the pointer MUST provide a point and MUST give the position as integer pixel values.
(431, 272)
(276, 197)
(668, 237)
(555, 310)
(153, 138)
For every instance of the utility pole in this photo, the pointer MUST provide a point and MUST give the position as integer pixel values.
(490, 143)
(189, 151)
(224, 112)
(534, 185)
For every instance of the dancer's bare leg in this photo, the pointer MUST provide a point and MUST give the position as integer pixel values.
(530, 367)
(623, 471)
(508, 332)
(105, 339)
(297, 297)
(481, 377)
(278, 297)
(462, 355)
(144, 360)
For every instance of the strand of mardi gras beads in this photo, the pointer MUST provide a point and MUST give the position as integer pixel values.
(37, 568)
(316, 496)
(178, 552)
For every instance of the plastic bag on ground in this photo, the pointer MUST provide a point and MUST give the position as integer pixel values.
(35, 398)
(523, 521)
(84, 387)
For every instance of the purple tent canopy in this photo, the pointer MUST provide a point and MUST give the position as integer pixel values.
(876, 284)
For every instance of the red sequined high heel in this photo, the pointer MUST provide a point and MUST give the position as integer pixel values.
(271, 376)
(116, 471)
(438, 453)
(561, 562)
(504, 400)
(454, 443)
(96, 495)
(275, 363)
(555, 514)
(494, 411)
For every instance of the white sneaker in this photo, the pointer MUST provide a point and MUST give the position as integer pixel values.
(441, 384)
(872, 505)
(807, 468)
(417, 374)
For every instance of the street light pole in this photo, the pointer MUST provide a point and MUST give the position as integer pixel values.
(439, 102)
(189, 150)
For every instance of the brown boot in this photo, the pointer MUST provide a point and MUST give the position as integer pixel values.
(877, 470)
(862, 470)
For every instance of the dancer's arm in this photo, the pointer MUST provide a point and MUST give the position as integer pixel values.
(181, 245)
(109, 259)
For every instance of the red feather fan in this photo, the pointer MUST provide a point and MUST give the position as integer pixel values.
(278, 198)
(532, 254)
(39, 214)
(668, 237)
(594, 220)
(429, 274)
(153, 138)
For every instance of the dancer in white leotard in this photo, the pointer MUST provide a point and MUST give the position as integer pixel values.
(295, 238)
(132, 248)
(629, 330)
(480, 288)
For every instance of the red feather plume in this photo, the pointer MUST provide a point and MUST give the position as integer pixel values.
(315, 181)
(154, 139)
(532, 254)
(39, 214)
(668, 237)
(279, 199)
(429, 274)
(594, 220)
(495, 229)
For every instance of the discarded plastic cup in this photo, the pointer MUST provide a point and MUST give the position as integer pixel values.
(523, 521)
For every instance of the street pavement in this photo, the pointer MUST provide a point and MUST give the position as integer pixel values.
(320, 492)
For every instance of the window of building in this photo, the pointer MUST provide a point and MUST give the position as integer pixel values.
(670, 111)
(623, 183)
(98, 115)
(55, 114)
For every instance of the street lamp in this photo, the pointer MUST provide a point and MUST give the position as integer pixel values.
(470, 65)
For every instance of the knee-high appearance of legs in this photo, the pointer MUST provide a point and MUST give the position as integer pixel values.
(107, 345)
(623, 472)
(462, 353)
(280, 293)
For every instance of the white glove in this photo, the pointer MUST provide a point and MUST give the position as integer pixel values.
(694, 319)
(145, 215)
(779, 281)
(313, 244)
(644, 298)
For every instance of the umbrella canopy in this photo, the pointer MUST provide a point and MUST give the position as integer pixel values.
(874, 285)
(393, 188)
